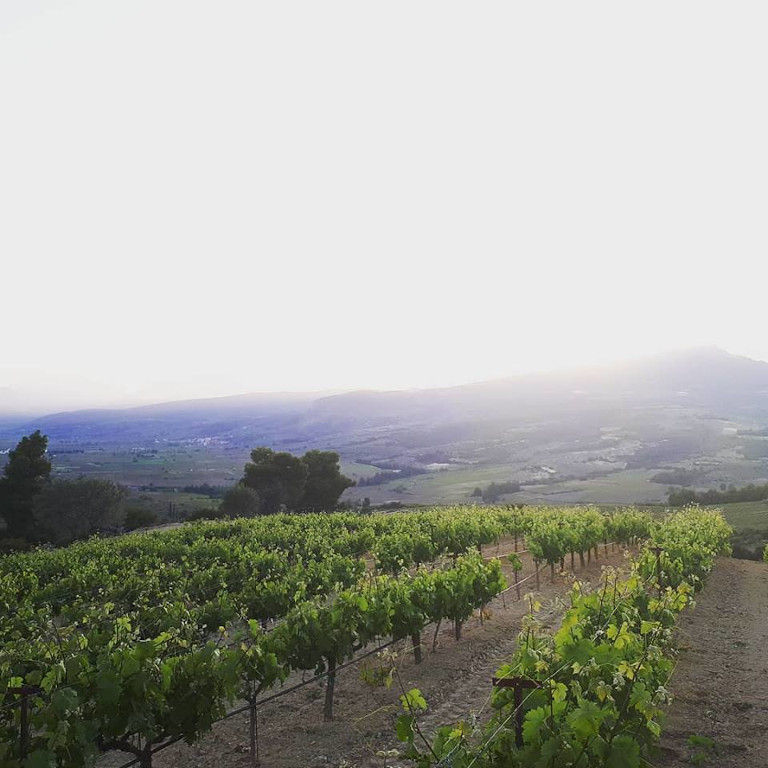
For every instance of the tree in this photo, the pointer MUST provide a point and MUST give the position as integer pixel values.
(279, 478)
(240, 501)
(311, 483)
(25, 474)
(139, 517)
(68, 510)
(325, 483)
(496, 490)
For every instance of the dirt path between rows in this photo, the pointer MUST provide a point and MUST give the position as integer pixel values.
(720, 686)
(455, 681)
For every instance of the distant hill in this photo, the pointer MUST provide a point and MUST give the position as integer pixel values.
(704, 378)
(659, 413)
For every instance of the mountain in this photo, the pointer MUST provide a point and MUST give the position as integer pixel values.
(702, 378)
(667, 411)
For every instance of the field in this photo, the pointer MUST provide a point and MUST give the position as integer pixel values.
(578, 461)
(167, 468)
(151, 638)
(156, 477)
(746, 515)
(749, 521)
(456, 486)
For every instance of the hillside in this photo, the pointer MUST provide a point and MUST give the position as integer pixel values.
(597, 434)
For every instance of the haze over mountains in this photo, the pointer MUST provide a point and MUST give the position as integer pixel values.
(704, 378)
(659, 413)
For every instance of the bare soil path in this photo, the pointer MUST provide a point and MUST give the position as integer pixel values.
(720, 685)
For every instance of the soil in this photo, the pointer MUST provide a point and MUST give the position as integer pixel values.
(455, 680)
(719, 685)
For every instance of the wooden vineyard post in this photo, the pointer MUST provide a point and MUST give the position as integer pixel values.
(517, 584)
(518, 684)
(254, 737)
(24, 727)
(25, 691)
(330, 684)
(416, 641)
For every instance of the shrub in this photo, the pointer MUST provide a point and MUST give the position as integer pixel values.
(208, 513)
(67, 510)
(9, 545)
(240, 502)
(138, 517)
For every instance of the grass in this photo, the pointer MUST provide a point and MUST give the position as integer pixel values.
(170, 467)
(356, 470)
(456, 485)
(170, 506)
(746, 515)
(448, 486)
(749, 521)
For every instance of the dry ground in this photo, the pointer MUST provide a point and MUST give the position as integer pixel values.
(720, 685)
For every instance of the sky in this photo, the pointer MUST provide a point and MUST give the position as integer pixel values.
(205, 198)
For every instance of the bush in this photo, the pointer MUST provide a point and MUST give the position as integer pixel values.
(67, 510)
(208, 513)
(138, 517)
(496, 490)
(748, 544)
(13, 545)
(240, 502)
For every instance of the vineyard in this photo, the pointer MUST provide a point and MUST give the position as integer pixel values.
(133, 643)
(592, 693)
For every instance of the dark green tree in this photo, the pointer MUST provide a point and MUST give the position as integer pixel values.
(240, 501)
(277, 477)
(325, 483)
(67, 510)
(139, 517)
(25, 475)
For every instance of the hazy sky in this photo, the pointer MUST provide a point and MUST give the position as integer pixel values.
(203, 198)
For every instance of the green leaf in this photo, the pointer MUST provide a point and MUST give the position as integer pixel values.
(648, 626)
(534, 720)
(64, 700)
(585, 720)
(413, 701)
(404, 728)
(40, 758)
(624, 753)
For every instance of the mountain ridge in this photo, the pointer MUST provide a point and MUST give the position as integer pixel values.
(705, 378)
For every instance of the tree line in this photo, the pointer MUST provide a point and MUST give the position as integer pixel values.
(680, 497)
(38, 509)
(390, 474)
